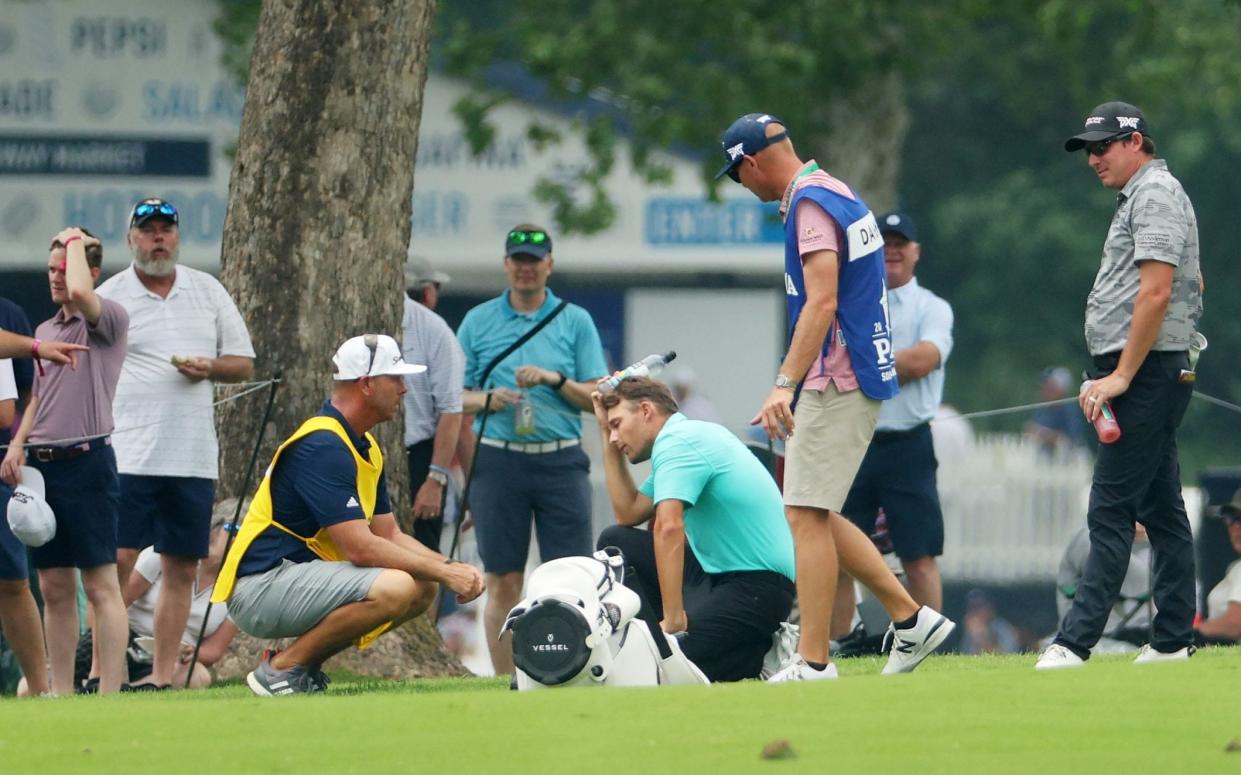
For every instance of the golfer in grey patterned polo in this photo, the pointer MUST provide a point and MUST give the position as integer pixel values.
(1140, 318)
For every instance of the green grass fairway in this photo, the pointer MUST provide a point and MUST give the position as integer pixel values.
(954, 715)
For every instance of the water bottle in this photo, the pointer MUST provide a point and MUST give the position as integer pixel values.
(1105, 422)
(646, 367)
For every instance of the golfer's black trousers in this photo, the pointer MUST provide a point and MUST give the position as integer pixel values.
(732, 616)
(1138, 478)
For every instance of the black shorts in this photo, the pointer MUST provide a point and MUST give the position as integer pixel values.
(426, 531)
(83, 493)
(898, 476)
(172, 513)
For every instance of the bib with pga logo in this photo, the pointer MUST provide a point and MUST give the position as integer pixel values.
(863, 325)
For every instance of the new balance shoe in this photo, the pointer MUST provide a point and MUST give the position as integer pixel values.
(912, 645)
(798, 670)
(1057, 657)
(267, 681)
(1149, 653)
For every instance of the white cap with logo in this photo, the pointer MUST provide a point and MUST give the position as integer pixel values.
(30, 518)
(371, 355)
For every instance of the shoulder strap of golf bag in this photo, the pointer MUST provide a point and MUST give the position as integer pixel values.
(526, 337)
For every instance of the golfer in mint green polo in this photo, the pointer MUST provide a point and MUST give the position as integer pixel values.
(717, 564)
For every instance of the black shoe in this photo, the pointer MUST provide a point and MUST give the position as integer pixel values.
(89, 686)
(146, 687)
(859, 643)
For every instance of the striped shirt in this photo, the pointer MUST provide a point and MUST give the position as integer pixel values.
(197, 319)
(427, 340)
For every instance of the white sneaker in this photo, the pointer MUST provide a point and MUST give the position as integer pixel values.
(912, 645)
(1057, 657)
(1149, 653)
(798, 670)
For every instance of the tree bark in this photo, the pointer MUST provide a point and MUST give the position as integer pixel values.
(318, 219)
(865, 139)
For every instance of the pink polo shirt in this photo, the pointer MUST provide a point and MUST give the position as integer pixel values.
(816, 230)
(78, 402)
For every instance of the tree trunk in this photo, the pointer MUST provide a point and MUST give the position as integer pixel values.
(865, 139)
(319, 208)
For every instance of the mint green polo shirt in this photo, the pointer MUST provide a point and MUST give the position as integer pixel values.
(735, 516)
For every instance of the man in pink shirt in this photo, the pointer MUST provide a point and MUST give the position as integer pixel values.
(839, 368)
(67, 427)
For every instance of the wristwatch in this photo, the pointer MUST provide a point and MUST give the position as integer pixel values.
(439, 477)
(784, 383)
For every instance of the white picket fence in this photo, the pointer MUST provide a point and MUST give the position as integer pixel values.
(1010, 509)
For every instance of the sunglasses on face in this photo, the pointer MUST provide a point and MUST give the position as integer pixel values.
(147, 209)
(1232, 519)
(1099, 148)
(527, 237)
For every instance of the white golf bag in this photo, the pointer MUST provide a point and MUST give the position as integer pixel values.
(578, 627)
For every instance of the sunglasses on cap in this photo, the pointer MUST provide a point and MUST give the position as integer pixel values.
(1100, 147)
(150, 209)
(527, 237)
(372, 343)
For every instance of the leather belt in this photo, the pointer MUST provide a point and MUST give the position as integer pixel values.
(531, 448)
(50, 454)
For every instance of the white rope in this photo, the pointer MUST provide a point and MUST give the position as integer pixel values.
(255, 387)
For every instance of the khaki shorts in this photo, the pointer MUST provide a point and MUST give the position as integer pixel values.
(831, 433)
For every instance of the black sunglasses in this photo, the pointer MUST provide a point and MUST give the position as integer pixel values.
(372, 343)
(148, 209)
(1099, 148)
(1231, 518)
(523, 237)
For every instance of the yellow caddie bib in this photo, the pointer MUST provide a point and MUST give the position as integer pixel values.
(259, 517)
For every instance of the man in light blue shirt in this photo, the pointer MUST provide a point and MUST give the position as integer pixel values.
(897, 475)
(729, 589)
(530, 462)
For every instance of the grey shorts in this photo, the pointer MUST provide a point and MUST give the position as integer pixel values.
(291, 598)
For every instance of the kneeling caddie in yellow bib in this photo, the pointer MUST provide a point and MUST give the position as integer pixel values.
(319, 556)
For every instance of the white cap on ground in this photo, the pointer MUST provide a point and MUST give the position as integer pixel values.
(371, 355)
(30, 518)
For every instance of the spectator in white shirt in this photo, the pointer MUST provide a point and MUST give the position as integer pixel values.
(185, 333)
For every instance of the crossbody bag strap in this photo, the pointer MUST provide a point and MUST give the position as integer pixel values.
(526, 337)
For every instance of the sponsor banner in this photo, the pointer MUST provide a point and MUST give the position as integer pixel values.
(144, 156)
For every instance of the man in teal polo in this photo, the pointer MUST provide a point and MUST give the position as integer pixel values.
(728, 590)
(530, 465)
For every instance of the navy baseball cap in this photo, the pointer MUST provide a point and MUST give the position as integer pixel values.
(1111, 119)
(528, 240)
(151, 208)
(746, 137)
(900, 223)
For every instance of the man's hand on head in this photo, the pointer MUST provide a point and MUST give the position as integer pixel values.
(601, 414)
